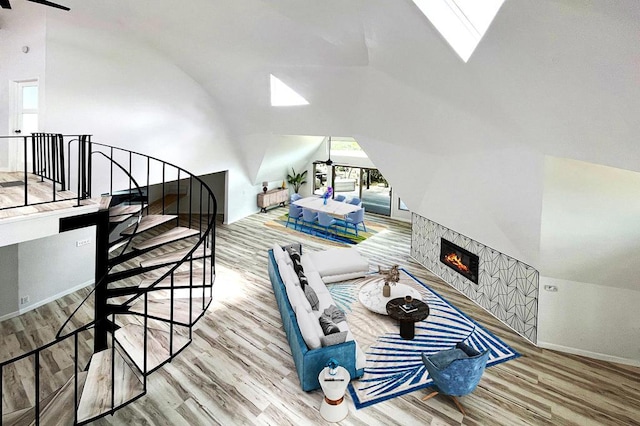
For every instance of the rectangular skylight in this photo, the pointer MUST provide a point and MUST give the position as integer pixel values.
(283, 95)
(462, 23)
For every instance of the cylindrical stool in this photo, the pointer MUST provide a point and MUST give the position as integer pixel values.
(334, 408)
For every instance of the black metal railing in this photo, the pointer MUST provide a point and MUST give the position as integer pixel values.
(47, 150)
(48, 159)
(126, 170)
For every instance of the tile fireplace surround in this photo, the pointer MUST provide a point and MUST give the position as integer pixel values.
(506, 287)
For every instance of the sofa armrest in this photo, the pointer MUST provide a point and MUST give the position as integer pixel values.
(315, 360)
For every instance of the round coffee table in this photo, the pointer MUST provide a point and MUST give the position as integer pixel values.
(371, 295)
(407, 319)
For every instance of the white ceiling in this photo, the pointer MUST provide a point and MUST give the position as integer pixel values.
(550, 77)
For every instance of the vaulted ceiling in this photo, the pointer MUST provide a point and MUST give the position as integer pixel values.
(549, 78)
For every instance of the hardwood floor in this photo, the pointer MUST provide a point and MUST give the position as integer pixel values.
(239, 370)
(12, 196)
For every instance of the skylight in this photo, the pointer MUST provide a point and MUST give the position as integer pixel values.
(283, 95)
(462, 23)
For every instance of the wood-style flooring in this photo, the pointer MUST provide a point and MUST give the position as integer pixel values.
(238, 369)
(39, 195)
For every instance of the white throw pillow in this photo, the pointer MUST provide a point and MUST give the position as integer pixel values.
(296, 296)
(278, 253)
(307, 324)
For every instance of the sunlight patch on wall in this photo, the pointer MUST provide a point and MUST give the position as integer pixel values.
(283, 95)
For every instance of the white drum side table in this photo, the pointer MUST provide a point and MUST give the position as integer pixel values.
(333, 407)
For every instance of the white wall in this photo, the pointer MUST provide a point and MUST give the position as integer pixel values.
(103, 82)
(23, 26)
(272, 157)
(589, 319)
(66, 269)
(590, 223)
(215, 181)
(9, 302)
(44, 270)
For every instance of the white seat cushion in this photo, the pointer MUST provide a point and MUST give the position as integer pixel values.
(334, 264)
(307, 264)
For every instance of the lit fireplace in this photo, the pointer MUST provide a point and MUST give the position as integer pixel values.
(460, 260)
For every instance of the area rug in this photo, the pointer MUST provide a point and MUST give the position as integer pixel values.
(337, 235)
(394, 366)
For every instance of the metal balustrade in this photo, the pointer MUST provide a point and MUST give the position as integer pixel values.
(129, 178)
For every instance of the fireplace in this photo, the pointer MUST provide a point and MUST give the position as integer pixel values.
(460, 260)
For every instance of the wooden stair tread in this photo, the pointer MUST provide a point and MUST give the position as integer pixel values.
(146, 223)
(60, 409)
(102, 202)
(131, 338)
(105, 201)
(169, 199)
(125, 209)
(180, 279)
(174, 256)
(119, 219)
(174, 234)
(96, 396)
(162, 309)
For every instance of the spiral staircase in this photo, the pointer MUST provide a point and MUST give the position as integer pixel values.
(155, 252)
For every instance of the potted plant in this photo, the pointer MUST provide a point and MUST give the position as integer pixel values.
(297, 179)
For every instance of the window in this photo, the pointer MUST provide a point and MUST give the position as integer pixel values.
(462, 23)
(402, 206)
(343, 146)
(27, 108)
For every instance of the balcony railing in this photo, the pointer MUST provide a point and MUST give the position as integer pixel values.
(126, 178)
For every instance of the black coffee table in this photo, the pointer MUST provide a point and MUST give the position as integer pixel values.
(407, 320)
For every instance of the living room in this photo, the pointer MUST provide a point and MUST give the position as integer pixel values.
(527, 148)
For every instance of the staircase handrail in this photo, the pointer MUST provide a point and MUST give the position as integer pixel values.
(187, 257)
(206, 237)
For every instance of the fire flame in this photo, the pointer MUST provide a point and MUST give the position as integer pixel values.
(455, 260)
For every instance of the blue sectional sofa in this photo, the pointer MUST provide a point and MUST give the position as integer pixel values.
(309, 362)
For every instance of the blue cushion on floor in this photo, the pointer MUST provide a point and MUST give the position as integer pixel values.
(444, 358)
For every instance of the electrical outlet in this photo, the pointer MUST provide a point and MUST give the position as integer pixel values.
(81, 243)
(24, 300)
(551, 288)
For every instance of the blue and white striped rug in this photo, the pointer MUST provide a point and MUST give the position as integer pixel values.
(394, 365)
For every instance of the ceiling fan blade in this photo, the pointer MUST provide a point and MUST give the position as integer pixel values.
(5, 4)
(48, 3)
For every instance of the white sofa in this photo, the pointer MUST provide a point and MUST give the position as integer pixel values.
(319, 268)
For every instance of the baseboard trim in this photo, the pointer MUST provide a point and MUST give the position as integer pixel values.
(9, 315)
(589, 354)
(51, 299)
